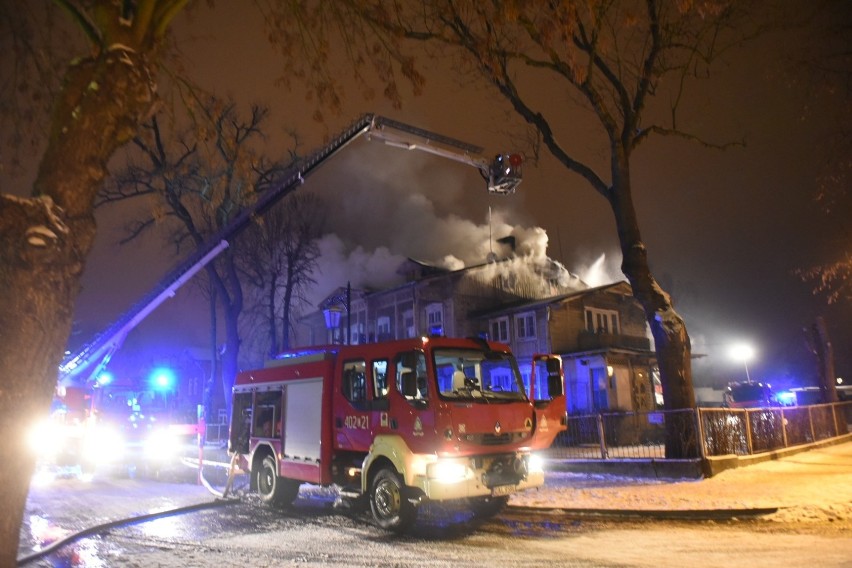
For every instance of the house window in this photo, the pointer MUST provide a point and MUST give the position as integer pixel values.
(435, 318)
(602, 321)
(356, 334)
(383, 328)
(408, 322)
(500, 329)
(525, 326)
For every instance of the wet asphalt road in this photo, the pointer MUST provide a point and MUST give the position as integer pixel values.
(315, 532)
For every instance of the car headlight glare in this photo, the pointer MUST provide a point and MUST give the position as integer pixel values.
(103, 445)
(161, 444)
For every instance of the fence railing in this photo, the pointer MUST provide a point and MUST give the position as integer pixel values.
(722, 431)
(216, 433)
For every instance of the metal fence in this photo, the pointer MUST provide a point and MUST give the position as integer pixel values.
(216, 433)
(722, 431)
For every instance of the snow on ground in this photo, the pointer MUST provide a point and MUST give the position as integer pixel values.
(810, 486)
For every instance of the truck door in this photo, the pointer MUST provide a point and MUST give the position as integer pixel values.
(379, 377)
(548, 394)
(409, 414)
(352, 414)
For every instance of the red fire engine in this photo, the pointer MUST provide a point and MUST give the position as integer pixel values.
(397, 423)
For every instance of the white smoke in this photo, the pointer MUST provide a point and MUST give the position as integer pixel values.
(605, 269)
(339, 265)
(385, 205)
(452, 243)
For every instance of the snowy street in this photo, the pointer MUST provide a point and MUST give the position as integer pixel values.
(812, 492)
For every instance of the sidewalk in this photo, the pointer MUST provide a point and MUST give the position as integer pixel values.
(814, 485)
(809, 486)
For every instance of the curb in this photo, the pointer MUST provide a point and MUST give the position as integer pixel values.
(656, 514)
(646, 468)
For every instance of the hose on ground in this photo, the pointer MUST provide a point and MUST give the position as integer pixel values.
(98, 529)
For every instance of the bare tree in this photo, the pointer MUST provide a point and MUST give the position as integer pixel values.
(202, 181)
(278, 256)
(610, 58)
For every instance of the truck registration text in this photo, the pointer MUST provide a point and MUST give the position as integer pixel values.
(357, 422)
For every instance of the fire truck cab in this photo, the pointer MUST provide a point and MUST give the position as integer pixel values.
(397, 423)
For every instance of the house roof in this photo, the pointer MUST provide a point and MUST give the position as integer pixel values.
(430, 271)
(532, 304)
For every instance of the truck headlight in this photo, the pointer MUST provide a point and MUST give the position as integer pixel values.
(535, 464)
(446, 471)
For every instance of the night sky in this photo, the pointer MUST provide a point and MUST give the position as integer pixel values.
(725, 230)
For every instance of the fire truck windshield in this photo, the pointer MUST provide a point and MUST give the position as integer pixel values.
(476, 374)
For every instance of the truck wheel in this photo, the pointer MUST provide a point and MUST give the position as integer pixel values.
(274, 490)
(486, 507)
(390, 507)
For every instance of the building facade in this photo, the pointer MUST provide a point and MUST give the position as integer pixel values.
(600, 333)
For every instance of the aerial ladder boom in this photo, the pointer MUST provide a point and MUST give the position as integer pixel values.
(502, 176)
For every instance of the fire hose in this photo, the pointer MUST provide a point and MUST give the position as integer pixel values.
(98, 529)
(220, 501)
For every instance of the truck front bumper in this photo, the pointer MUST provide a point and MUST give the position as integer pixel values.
(495, 476)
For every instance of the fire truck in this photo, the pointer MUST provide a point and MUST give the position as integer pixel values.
(109, 429)
(397, 423)
(749, 395)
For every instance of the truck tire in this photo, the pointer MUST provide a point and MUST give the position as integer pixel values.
(388, 502)
(274, 490)
(487, 507)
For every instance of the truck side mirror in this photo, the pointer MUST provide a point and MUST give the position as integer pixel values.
(409, 384)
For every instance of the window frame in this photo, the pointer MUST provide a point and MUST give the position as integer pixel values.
(435, 309)
(610, 318)
(525, 326)
(503, 337)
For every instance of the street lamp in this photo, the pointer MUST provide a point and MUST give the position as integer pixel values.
(744, 353)
(331, 311)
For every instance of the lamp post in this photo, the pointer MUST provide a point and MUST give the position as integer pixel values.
(331, 311)
(744, 353)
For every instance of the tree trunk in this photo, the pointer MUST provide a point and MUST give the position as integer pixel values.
(273, 324)
(214, 360)
(825, 357)
(44, 242)
(231, 296)
(286, 307)
(671, 339)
